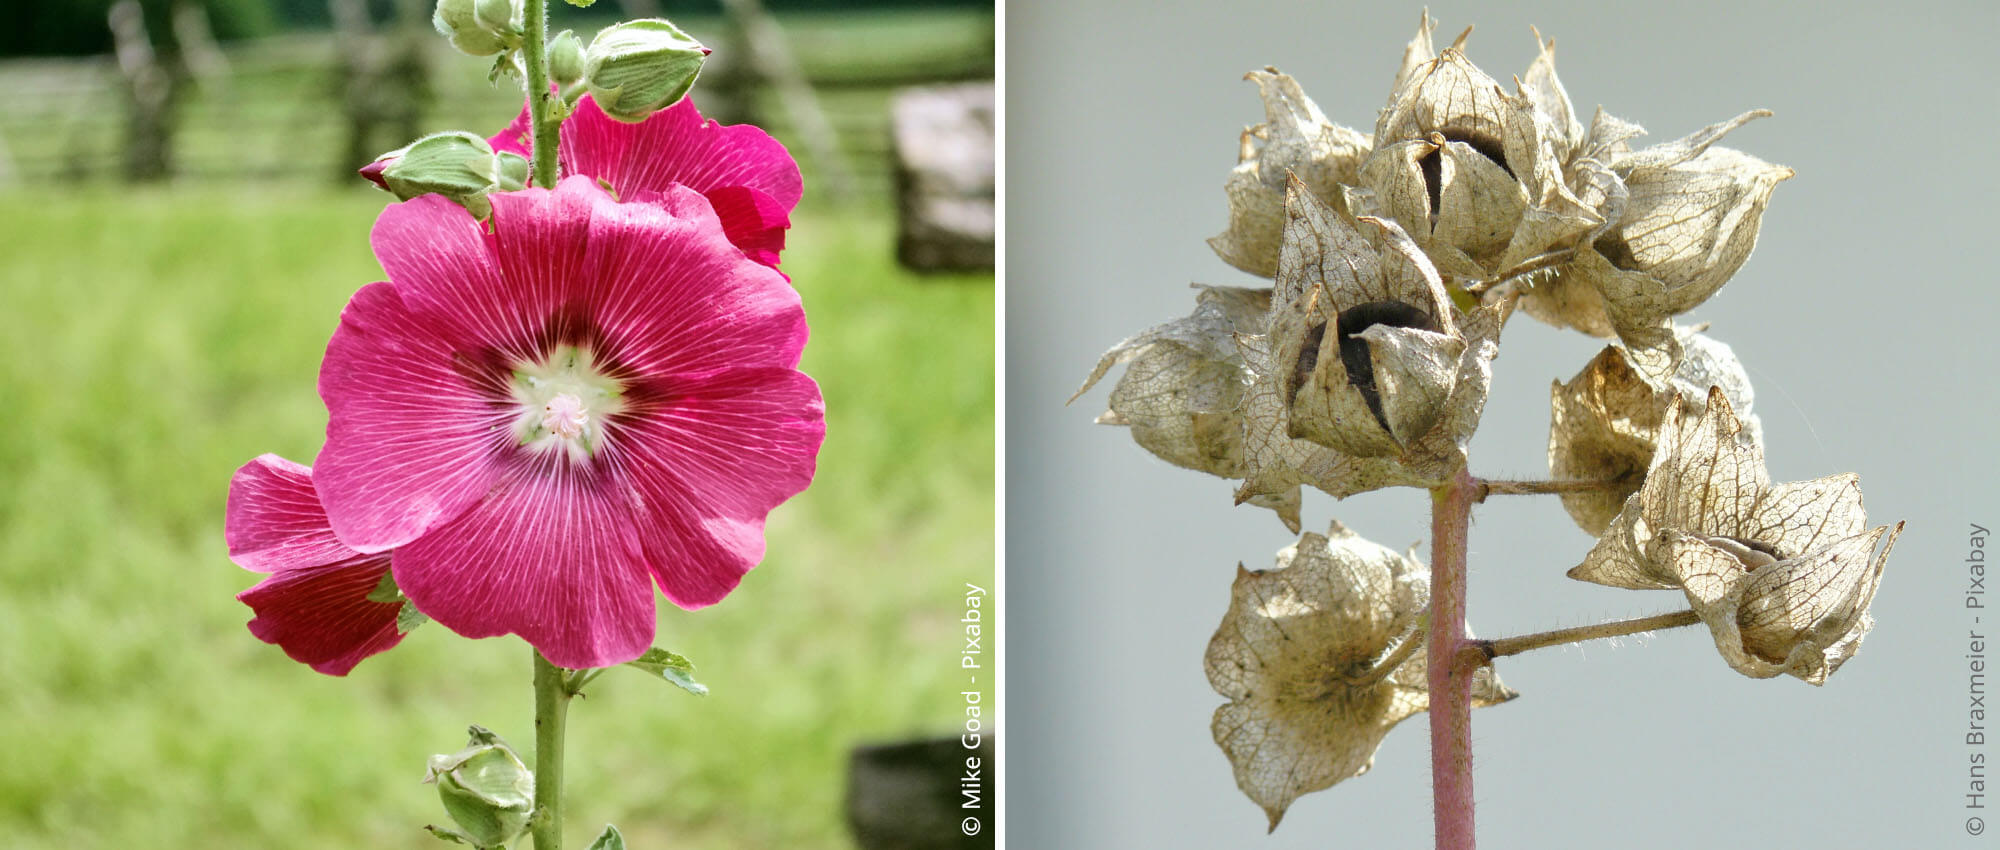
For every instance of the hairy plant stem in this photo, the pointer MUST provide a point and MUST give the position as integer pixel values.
(1482, 651)
(552, 686)
(552, 695)
(1397, 656)
(541, 101)
(1533, 488)
(1450, 682)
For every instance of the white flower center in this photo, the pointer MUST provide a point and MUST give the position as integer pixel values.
(564, 416)
(564, 402)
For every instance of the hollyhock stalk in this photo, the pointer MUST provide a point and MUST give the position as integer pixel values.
(552, 695)
(551, 682)
(1450, 681)
(542, 138)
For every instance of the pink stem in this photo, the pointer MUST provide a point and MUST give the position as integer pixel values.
(1450, 682)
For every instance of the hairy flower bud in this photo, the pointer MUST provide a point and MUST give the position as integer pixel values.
(460, 21)
(639, 67)
(566, 59)
(501, 17)
(510, 171)
(485, 788)
(456, 164)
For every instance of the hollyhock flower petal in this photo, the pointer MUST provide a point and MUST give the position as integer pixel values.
(681, 305)
(548, 557)
(753, 220)
(564, 404)
(274, 520)
(516, 138)
(677, 145)
(746, 440)
(322, 616)
(446, 268)
(748, 176)
(315, 604)
(410, 442)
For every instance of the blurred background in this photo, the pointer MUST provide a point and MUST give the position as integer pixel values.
(1864, 318)
(182, 228)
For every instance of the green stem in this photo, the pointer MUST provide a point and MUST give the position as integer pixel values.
(541, 101)
(582, 678)
(551, 710)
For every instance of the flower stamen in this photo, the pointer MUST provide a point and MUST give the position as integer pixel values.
(564, 416)
(563, 402)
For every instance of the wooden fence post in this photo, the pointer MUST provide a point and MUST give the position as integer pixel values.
(150, 88)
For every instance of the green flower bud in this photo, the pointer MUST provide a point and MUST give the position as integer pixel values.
(510, 171)
(503, 18)
(566, 58)
(457, 165)
(639, 67)
(458, 20)
(486, 789)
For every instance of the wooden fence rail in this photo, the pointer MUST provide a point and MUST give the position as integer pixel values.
(279, 116)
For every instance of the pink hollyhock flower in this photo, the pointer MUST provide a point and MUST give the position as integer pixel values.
(315, 603)
(549, 413)
(746, 175)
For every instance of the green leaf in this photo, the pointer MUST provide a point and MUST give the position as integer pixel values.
(670, 667)
(451, 835)
(386, 590)
(609, 839)
(409, 618)
(583, 4)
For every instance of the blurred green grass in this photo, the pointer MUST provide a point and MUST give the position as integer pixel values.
(152, 342)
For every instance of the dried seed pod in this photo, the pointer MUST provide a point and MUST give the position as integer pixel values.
(1782, 574)
(1605, 423)
(1295, 139)
(1320, 657)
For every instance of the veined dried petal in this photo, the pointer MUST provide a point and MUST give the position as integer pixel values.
(1334, 285)
(1676, 220)
(1781, 574)
(1417, 53)
(1295, 139)
(1182, 391)
(1450, 95)
(1642, 163)
(1276, 464)
(1605, 422)
(1545, 93)
(1804, 615)
(1300, 655)
(1690, 226)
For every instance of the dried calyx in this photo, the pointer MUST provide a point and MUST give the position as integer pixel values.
(1320, 657)
(1512, 194)
(1605, 423)
(1782, 574)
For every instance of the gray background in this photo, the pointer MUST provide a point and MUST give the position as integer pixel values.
(1863, 317)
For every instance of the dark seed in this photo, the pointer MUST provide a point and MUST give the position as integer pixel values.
(1354, 349)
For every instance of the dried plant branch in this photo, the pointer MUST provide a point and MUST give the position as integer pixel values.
(1483, 651)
